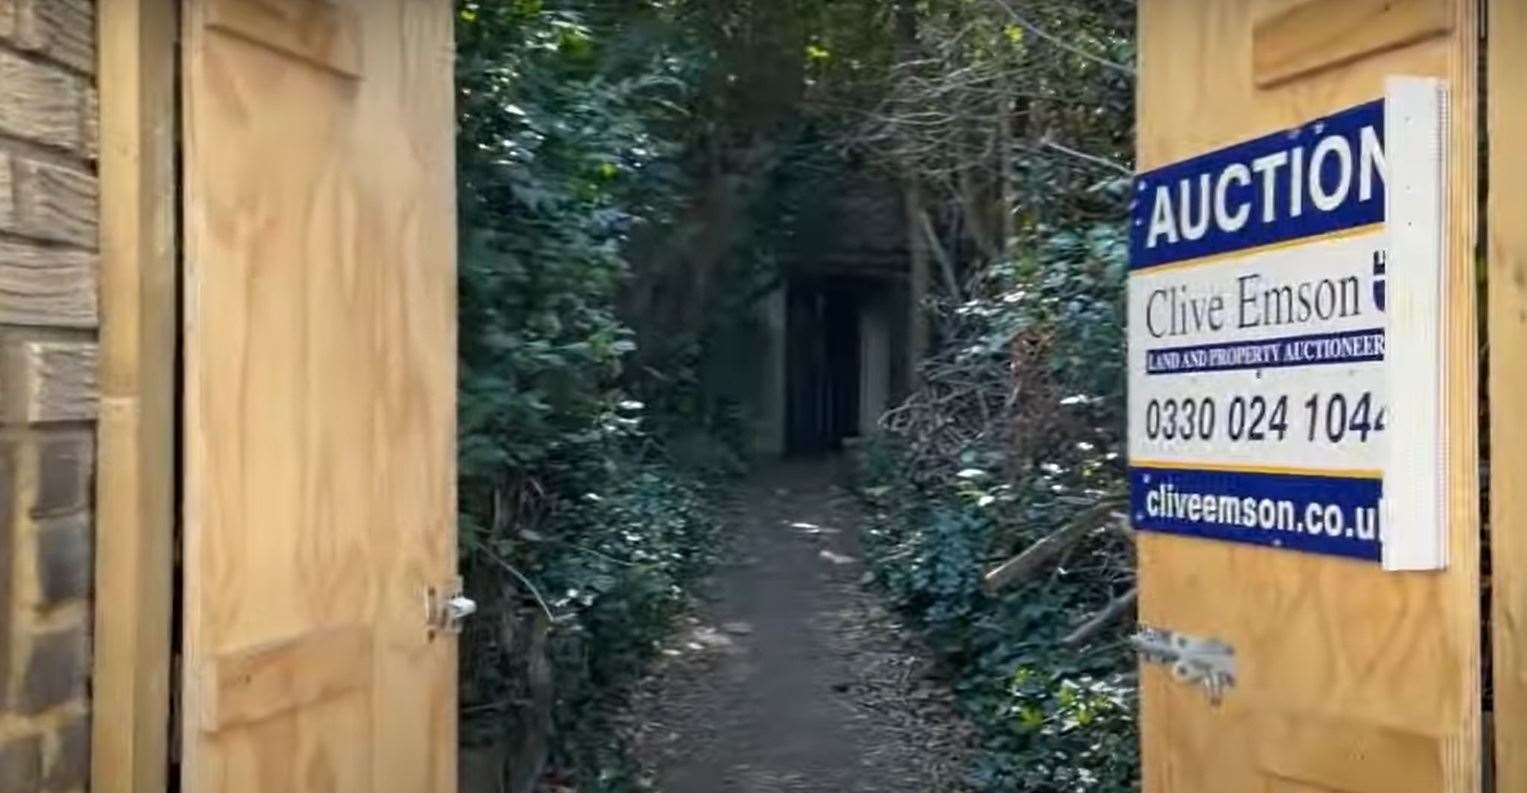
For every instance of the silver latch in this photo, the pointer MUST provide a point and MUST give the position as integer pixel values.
(1204, 662)
(446, 608)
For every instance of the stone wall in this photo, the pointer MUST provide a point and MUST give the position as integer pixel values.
(48, 319)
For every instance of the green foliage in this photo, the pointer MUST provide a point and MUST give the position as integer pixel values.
(558, 165)
(622, 567)
(612, 569)
(1054, 718)
(568, 503)
(1071, 731)
(1014, 120)
(650, 166)
(937, 567)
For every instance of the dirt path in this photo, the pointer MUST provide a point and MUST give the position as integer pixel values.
(792, 678)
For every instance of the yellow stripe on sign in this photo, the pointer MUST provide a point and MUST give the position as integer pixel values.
(1332, 473)
(1355, 231)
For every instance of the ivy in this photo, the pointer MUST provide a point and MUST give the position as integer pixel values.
(1055, 718)
(573, 522)
(672, 155)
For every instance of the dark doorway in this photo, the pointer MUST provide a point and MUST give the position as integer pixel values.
(823, 372)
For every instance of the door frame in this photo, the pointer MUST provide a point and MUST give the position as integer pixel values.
(137, 42)
(135, 515)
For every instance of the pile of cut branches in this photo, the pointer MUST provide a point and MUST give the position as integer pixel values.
(1009, 122)
(999, 494)
(1019, 414)
(998, 485)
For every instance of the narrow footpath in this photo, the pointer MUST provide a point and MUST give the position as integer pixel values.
(792, 678)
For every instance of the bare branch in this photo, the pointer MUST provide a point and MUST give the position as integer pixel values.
(1116, 609)
(1092, 158)
(1036, 556)
(512, 570)
(1024, 23)
(946, 265)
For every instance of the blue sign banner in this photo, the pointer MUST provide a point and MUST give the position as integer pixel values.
(1316, 349)
(1333, 515)
(1322, 177)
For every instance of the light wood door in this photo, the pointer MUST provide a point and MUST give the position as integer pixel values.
(1507, 254)
(319, 395)
(1349, 679)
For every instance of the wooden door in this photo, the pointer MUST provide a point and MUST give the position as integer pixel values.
(319, 395)
(1348, 678)
(1507, 255)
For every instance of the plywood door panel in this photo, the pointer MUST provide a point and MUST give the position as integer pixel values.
(319, 395)
(1319, 35)
(1349, 679)
(1508, 382)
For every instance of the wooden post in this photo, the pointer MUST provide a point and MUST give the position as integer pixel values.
(135, 475)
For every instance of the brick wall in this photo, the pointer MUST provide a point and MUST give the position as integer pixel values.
(48, 318)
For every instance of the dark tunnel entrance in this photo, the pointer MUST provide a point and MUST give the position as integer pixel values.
(823, 352)
(841, 371)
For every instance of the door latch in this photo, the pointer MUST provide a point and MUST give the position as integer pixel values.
(1209, 663)
(446, 608)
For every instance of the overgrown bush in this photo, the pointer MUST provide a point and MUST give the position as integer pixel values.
(578, 535)
(625, 559)
(1018, 432)
(598, 137)
(1011, 124)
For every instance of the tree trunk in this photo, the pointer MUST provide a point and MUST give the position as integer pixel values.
(975, 203)
(918, 338)
(945, 261)
(1006, 226)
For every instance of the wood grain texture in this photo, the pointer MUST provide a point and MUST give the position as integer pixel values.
(1319, 34)
(39, 103)
(47, 286)
(51, 381)
(316, 31)
(57, 204)
(1348, 756)
(1508, 382)
(319, 424)
(135, 509)
(9, 219)
(1317, 639)
(255, 685)
(60, 29)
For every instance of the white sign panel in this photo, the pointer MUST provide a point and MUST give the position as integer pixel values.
(1262, 281)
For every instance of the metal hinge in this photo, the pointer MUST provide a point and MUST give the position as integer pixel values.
(446, 608)
(1209, 663)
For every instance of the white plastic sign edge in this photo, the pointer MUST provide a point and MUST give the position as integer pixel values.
(1415, 503)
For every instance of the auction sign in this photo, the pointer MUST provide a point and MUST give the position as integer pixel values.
(1261, 408)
